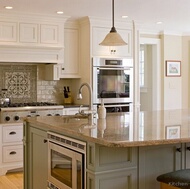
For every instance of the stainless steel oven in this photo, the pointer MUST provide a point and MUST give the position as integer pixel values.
(66, 162)
(112, 80)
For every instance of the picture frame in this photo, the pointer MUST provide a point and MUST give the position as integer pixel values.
(173, 131)
(173, 68)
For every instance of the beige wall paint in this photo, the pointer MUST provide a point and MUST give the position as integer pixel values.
(185, 71)
(172, 86)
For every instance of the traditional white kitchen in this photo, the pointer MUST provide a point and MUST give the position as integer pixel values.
(55, 78)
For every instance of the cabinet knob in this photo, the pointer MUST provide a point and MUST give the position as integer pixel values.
(188, 148)
(63, 68)
(45, 140)
(178, 149)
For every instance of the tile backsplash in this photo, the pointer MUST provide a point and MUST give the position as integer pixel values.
(24, 84)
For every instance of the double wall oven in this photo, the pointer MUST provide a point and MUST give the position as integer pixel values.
(113, 82)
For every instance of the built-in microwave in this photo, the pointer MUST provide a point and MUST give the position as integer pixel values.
(66, 162)
(112, 80)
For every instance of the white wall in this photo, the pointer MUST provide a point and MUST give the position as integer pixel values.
(185, 69)
(172, 86)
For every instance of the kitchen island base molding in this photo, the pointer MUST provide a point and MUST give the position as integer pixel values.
(120, 179)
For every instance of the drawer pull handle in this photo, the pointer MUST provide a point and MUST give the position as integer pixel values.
(12, 153)
(178, 149)
(12, 133)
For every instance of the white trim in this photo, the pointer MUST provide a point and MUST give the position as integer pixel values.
(156, 70)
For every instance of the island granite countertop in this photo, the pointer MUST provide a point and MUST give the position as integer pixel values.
(123, 129)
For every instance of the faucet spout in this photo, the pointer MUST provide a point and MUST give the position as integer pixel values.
(79, 96)
(91, 112)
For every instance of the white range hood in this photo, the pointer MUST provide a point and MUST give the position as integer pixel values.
(31, 54)
(32, 38)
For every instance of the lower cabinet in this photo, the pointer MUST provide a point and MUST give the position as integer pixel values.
(111, 168)
(106, 167)
(156, 160)
(36, 159)
(11, 148)
(187, 155)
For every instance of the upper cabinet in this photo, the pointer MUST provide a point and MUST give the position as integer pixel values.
(99, 33)
(33, 30)
(32, 38)
(70, 68)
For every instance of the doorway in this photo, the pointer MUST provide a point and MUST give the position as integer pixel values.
(150, 74)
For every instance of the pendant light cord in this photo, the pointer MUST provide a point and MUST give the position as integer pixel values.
(113, 27)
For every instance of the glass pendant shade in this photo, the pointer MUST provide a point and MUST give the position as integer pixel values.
(113, 38)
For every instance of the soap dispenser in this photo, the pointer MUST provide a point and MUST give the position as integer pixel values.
(102, 110)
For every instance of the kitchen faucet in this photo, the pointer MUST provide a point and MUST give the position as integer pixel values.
(90, 112)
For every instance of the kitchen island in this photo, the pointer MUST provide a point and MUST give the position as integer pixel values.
(123, 151)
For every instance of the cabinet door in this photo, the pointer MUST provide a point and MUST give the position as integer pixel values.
(70, 68)
(8, 31)
(36, 162)
(187, 155)
(156, 160)
(98, 34)
(28, 33)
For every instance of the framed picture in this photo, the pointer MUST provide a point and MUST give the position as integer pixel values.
(173, 131)
(173, 68)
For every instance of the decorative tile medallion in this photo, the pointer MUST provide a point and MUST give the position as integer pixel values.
(20, 82)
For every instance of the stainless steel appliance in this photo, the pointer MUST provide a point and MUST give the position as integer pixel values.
(113, 82)
(66, 162)
(14, 112)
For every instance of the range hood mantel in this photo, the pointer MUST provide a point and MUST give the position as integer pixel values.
(31, 54)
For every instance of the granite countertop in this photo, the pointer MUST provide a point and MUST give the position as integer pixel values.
(123, 129)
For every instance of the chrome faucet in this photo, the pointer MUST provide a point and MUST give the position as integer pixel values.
(90, 112)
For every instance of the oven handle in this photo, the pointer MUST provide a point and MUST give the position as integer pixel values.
(116, 105)
(113, 68)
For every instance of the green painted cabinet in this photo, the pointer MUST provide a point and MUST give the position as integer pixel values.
(35, 158)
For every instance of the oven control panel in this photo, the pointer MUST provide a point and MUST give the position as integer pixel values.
(16, 116)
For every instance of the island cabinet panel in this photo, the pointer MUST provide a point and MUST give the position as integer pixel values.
(156, 160)
(36, 159)
(109, 167)
(187, 155)
(120, 179)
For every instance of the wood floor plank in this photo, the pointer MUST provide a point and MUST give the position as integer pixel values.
(12, 181)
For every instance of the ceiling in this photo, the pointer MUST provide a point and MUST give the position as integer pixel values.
(175, 14)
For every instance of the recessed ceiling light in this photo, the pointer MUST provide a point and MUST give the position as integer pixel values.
(59, 12)
(9, 7)
(159, 22)
(124, 16)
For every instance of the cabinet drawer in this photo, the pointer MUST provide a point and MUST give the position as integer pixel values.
(12, 134)
(12, 153)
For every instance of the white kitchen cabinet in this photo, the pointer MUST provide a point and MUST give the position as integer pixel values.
(49, 34)
(99, 33)
(28, 33)
(8, 31)
(70, 68)
(52, 72)
(32, 38)
(11, 147)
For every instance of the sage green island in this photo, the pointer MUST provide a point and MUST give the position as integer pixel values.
(123, 151)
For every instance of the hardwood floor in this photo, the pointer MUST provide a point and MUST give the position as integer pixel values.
(12, 181)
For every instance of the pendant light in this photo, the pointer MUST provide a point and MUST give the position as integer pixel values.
(113, 38)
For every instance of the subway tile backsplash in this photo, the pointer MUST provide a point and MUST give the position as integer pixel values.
(24, 84)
